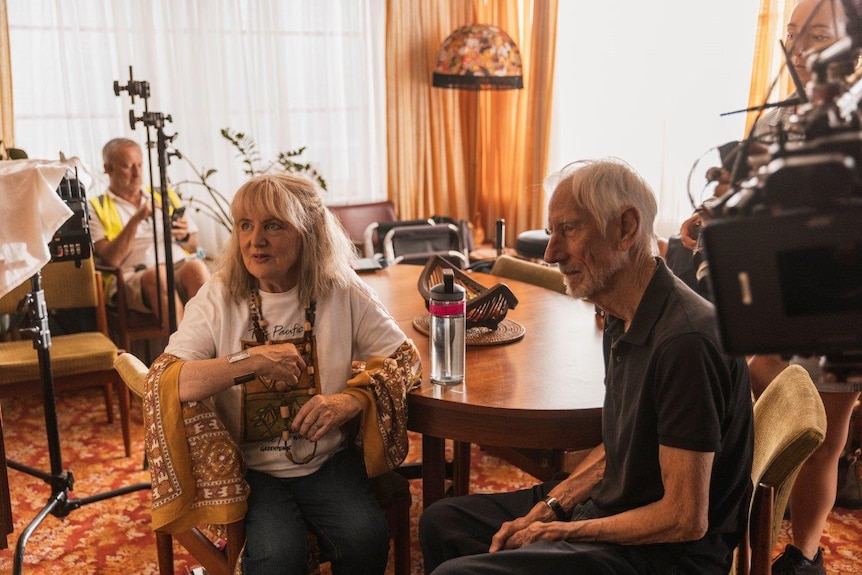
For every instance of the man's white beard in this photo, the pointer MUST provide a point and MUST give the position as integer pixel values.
(591, 285)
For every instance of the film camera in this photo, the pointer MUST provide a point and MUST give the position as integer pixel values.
(72, 241)
(784, 247)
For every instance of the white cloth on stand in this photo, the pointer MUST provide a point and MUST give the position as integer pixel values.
(30, 213)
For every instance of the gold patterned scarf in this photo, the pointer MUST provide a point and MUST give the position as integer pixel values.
(197, 468)
(381, 385)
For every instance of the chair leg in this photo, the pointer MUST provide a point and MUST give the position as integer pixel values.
(401, 538)
(109, 402)
(165, 550)
(235, 543)
(123, 393)
(761, 525)
(461, 468)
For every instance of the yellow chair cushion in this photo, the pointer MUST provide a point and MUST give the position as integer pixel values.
(70, 355)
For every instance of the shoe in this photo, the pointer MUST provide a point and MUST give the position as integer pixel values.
(793, 562)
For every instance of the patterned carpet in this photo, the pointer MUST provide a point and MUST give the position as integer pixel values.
(113, 536)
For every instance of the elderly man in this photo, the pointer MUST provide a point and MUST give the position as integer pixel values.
(667, 490)
(121, 226)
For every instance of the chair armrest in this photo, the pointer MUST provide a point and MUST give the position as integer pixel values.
(106, 269)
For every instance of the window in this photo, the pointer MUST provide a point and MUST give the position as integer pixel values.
(288, 73)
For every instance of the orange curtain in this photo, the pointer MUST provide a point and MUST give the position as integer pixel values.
(768, 60)
(472, 155)
(425, 137)
(7, 125)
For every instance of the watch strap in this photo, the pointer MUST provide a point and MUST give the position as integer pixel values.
(244, 378)
(554, 505)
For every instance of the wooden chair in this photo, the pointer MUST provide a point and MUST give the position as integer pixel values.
(129, 326)
(392, 491)
(356, 219)
(789, 424)
(541, 463)
(415, 244)
(376, 232)
(15, 154)
(6, 522)
(78, 360)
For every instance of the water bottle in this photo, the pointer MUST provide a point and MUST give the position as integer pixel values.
(448, 331)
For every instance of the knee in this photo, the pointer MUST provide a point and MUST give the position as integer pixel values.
(193, 275)
(270, 554)
(198, 269)
(149, 277)
(457, 566)
(432, 519)
(365, 548)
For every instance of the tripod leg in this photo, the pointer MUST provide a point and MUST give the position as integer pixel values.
(25, 535)
(108, 494)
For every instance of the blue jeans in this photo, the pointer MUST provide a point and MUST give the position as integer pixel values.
(336, 503)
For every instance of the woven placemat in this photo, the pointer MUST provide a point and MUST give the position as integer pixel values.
(507, 331)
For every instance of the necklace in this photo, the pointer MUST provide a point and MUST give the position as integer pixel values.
(292, 441)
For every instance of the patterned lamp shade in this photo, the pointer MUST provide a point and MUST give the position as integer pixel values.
(478, 57)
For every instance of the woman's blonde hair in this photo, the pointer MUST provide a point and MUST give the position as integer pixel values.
(325, 249)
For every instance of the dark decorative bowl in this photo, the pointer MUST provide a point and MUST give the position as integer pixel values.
(486, 307)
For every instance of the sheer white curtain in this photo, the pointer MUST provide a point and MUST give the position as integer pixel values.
(646, 81)
(289, 73)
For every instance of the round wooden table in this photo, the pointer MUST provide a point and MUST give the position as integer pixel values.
(544, 391)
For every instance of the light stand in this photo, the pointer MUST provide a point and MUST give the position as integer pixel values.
(156, 120)
(71, 243)
(61, 481)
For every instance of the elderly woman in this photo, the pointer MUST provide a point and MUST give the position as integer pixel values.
(288, 346)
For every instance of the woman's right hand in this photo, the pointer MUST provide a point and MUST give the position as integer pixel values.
(283, 363)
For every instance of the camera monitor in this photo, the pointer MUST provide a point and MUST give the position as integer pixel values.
(788, 284)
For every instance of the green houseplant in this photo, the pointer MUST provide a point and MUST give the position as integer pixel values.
(218, 206)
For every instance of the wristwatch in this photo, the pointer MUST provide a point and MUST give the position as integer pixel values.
(554, 505)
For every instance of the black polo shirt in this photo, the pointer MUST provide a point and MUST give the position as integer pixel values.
(668, 382)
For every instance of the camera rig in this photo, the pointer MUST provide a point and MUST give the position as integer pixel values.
(784, 246)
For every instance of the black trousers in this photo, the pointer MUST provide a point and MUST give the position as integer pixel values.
(455, 534)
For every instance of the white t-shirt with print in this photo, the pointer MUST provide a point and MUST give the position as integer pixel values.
(349, 325)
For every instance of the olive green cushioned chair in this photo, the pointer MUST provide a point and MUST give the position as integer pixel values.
(78, 360)
(529, 272)
(789, 425)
